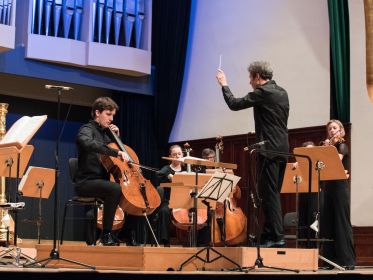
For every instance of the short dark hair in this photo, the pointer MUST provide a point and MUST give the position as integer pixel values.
(262, 68)
(103, 103)
(207, 152)
(308, 143)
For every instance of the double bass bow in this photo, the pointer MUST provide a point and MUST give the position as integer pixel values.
(139, 197)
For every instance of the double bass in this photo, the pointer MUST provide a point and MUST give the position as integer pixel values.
(229, 223)
(139, 197)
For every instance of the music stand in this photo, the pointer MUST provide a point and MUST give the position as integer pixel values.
(218, 189)
(192, 182)
(325, 159)
(182, 197)
(295, 182)
(257, 204)
(55, 254)
(9, 156)
(37, 182)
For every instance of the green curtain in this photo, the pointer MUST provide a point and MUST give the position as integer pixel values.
(339, 60)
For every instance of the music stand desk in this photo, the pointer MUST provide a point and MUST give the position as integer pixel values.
(10, 155)
(289, 184)
(180, 196)
(38, 182)
(332, 168)
(202, 162)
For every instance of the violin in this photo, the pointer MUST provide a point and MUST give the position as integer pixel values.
(332, 140)
(229, 223)
(139, 196)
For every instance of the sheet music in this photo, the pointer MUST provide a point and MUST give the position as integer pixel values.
(219, 186)
(23, 130)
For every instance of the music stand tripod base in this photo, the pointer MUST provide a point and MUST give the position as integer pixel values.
(217, 188)
(207, 258)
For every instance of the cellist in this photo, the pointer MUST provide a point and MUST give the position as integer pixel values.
(92, 179)
(164, 175)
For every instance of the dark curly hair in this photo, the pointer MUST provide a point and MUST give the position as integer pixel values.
(103, 103)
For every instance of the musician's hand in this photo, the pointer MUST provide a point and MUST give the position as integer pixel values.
(169, 176)
(114, 128)
(327, 143)
(220, 76)
(347, 175)
(123, 156)
(295, 165)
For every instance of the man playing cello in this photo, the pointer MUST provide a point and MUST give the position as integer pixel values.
(92, 179)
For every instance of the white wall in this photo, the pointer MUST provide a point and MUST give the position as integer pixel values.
(361, 119)
(292, 34)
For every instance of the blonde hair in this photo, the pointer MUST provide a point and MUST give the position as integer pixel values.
(173, 147)
(341, 127)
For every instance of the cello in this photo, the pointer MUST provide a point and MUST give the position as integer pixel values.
(139, 197)
(181, 217)
(229, 223)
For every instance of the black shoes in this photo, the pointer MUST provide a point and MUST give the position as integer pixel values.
(273, 244)
(109, 239)
(346, 267)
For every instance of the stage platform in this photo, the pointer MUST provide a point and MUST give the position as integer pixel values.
(125, 262)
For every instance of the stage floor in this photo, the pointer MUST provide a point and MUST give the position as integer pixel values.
(124, 262)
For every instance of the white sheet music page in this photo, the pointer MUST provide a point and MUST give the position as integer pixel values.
(23, 130)
(219, 186)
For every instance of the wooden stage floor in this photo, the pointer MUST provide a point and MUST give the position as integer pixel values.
(125, 262)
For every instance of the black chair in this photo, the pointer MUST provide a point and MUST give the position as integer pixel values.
(291, 226)
(93, 202)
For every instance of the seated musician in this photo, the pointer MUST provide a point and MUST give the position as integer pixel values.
(204, 234)
(162, 213)
(92, 179)
(208, 154)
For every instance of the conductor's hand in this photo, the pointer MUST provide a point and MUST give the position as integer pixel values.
(114, 128)
(123, 156)
(220, 76)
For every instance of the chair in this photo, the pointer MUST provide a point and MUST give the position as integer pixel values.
(290, 226)
(94, 202)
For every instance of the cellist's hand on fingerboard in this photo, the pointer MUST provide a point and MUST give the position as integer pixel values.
(114, 128)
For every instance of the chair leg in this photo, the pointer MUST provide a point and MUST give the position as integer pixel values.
(63, 223)
(94, 228)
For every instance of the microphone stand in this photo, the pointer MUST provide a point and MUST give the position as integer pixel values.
(54, 254)
(257, 204)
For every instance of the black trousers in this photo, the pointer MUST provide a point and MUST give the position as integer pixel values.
(336, 223)
(109, 192)
(162, 216)
(270, 174)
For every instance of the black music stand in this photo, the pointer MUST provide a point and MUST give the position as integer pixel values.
(218, 189)
(256, 201)
(326, 165)
(37, 182)
(55, 254)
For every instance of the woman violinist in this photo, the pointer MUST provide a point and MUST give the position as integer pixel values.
(92, 179)
(162, 214)
(335, 216)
